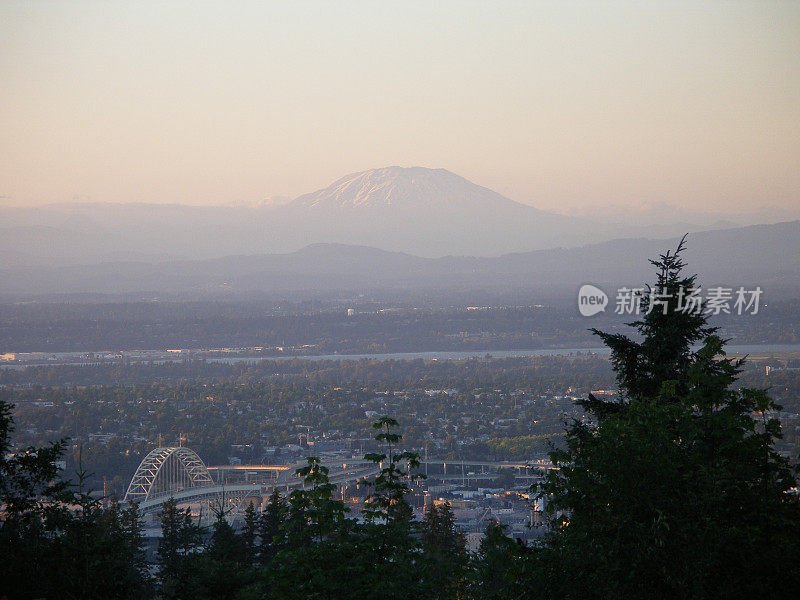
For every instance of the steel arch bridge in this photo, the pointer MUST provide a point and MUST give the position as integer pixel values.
(179, 473)
(166, 471)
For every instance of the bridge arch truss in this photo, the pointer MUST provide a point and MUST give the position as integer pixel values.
(167, 471)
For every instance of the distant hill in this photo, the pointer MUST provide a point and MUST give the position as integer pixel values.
(766, 255)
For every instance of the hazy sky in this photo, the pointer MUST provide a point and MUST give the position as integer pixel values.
(555, 104)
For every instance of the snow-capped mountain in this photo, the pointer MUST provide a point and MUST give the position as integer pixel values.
(399, 188)
(429, 212)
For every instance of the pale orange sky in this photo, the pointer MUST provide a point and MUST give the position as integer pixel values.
(556, 104)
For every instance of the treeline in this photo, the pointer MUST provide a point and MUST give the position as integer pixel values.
(523, 445)
(308, 546)
(144, 325)
(57, 541)
(540, 372)
(42, 327)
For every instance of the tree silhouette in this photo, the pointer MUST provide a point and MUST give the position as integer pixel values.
(673, 489)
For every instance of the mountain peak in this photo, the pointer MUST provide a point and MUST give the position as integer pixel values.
(403, 188)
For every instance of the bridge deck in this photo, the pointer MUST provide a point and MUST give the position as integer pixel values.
(200, 493)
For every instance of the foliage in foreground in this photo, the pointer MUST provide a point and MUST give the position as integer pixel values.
(674, 490)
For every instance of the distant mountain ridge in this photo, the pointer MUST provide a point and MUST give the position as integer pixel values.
(421, 211)
(765, 255)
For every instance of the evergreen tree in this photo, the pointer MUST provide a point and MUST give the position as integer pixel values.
(674, 489)
(321, 551)
(225, 545)
(439, 532)
(222, 571)
(250, 533)
(430, 524)
(387, 501)
(32, 501)
(180, 539)
(389, 535)
(500, 570)
(130, 521)
(314, 514)
(270, 530)
(330, 556)
(444, 551)
(99, 554)
(58, 541)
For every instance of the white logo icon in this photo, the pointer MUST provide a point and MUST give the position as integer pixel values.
(591, 300)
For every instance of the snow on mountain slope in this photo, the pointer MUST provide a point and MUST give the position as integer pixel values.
(405, 189)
